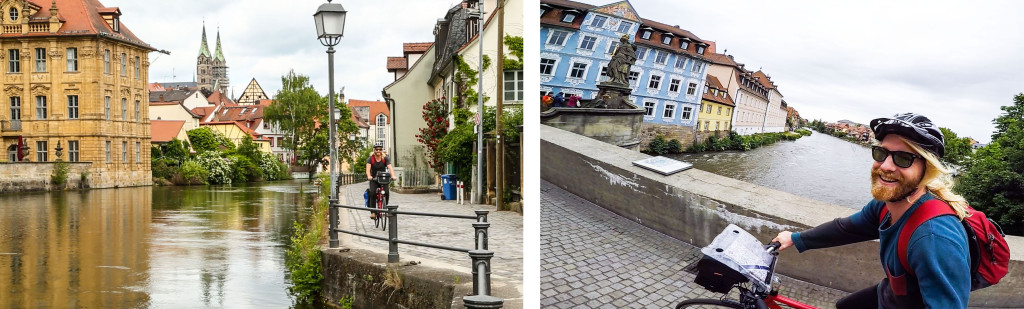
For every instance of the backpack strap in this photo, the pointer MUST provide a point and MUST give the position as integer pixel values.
(925, 212)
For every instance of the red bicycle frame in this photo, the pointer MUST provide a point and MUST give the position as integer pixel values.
(773, 300)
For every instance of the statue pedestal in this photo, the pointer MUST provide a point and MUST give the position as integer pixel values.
(614, 95)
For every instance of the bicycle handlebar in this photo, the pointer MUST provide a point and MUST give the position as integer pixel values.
(773, 248)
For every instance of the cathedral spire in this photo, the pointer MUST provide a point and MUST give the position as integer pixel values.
(219, 54)
(203, 50)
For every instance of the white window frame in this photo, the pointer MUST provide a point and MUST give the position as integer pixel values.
(568, 18)
(662, 55)
(554, 66)
(551, 35)
(649, 108)
(124, 109)
(40, 60)
(138, 152)
(73, 148)
(572, 67)
(687, 113)
(72, 63)
(124, 64)
(633, 76)
(41, 107)
(72, 106)
(673, 85)
(124, 151)
(106, 61)
(13, 61)
(684, 44)
(137, 110)
(697, 67)
(646, 35)
(653, 83)
(41, 149)
(669, 113)
(516, 89)
(700, 50)
(691, 89)
(628, 26)
(108, 151)
(598, 21)
(667, 40)
(641, 53)
(680, 62)
(593, 42)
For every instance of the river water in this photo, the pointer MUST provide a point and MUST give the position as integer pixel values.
(159, 247)
(818, 166)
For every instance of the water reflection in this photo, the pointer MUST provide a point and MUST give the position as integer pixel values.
(819, 166)
(174, 247)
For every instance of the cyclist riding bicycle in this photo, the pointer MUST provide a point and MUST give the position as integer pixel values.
(906, 174)
(377, 162)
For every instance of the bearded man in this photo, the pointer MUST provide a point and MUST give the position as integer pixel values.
(906, 173)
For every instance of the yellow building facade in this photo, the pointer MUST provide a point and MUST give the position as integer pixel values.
(716, 108)
(77, 78)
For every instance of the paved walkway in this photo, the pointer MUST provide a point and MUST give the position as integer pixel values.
(593, 258)
(505, 235)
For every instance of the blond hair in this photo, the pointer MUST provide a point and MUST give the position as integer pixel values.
(937, 178)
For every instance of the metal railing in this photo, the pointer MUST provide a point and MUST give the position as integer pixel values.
(347, 179)
(415, 177)
(480, 255)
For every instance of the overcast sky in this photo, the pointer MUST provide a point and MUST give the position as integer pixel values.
(956, 62)
(263, 39)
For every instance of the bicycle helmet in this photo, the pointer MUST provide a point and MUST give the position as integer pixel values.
(378, 144)
(914, 127)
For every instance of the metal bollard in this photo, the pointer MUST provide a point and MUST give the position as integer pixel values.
(332, 212)
(482, 302)
(481, 216)
(481, 271)
(481, 234)
(392, 233)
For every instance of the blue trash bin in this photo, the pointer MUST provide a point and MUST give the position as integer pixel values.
(448, 186)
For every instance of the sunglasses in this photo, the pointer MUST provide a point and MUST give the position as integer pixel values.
(900, 158)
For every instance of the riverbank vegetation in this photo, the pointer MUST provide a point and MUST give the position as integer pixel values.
(302, 257)
(659, 145)
(216, 161)
(992, 178)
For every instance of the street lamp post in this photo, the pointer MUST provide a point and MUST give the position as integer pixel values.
(330, 27)
(479, 187)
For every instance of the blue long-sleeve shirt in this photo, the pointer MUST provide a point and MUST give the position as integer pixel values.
(937, 252)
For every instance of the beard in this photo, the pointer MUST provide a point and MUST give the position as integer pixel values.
(882, 192)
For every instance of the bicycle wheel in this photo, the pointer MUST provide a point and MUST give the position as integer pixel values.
(381, 215)
(702, 303)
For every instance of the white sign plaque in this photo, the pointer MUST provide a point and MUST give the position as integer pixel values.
(663, 165)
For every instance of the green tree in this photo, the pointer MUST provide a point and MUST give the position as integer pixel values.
(957, 148)
(174, 150)
(993, 177)
(435, 114)
(205, 139)
(300, 112)
(359, 167)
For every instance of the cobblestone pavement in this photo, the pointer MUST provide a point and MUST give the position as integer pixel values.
(593, 258)
(505, 235)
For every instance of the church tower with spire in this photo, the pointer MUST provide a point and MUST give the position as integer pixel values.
(211, 68)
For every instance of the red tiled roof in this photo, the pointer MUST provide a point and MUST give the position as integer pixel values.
(713, 83)
(163, 131)
(241, 126)
(162, 103)
(216, 98)
(416, 48)
(80, 17)
(202, 112)
(677, 34)
(360, 122)
(265, 102)
(397, 63)
(235, 113)
(722, 60)
(376, 108)
(156, 87)
(553, 17)
(764, 79)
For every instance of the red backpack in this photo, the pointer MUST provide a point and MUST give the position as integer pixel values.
(990, 254)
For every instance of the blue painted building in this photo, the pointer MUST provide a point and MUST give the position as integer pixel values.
(577, 42)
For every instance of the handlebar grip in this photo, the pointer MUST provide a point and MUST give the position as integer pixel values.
(773, 248)
(760, 304)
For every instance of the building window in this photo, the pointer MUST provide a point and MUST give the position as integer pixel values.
(598, 21)
(707, 126)
(698, 67)
(684, 44)
(138, 152)
(106, 61)
(698, 126)
(612, 46)
(634, 76)
(124, 64)
(40, 60)
(687, 113)
(670, 111)
(557, 37)
(547, 66)
(513, 86)
(41, 151)
(641, 52)
(692, 89)
(680, 62)
(13, 61)
(666, 40)
(728, 111)
(646, 35)
(719, 110)
(588, 42)
(568, 18)
(72, 107)
(40, 107)
(72, 59)
(708, 109)
(124, 152)
(124, 109)
(673, 85)
(717, 125)
(137, 67)
(579, 70)
(700, 50)
(649, 108)
(624, 27)
(137, 111)
(106, 107)
(542, 11)
(108, 151)
(661, 57)
(15, 108)
(73, 151)
(14, 14)
(655, 82)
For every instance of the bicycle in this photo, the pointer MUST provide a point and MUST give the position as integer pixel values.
(381, 219)
(719, 273)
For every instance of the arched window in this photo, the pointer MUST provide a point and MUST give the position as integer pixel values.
(14, 14)
(382, 120)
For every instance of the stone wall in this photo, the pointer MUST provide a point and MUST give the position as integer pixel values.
(363, 278)
(694, 206)
(685, 135)
(620, 127)
(35, 176)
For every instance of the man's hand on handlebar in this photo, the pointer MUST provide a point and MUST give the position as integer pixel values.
(785, 238)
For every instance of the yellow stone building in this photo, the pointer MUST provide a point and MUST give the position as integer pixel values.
(716, 108)
(74, 76)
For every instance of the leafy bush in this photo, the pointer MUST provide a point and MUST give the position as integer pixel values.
(205, 139)
(190, 173)
(674, 146)
(60, 173)
(219, 169)
(359, 166)
(244, 169)
(658, 145)
(272, 167)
